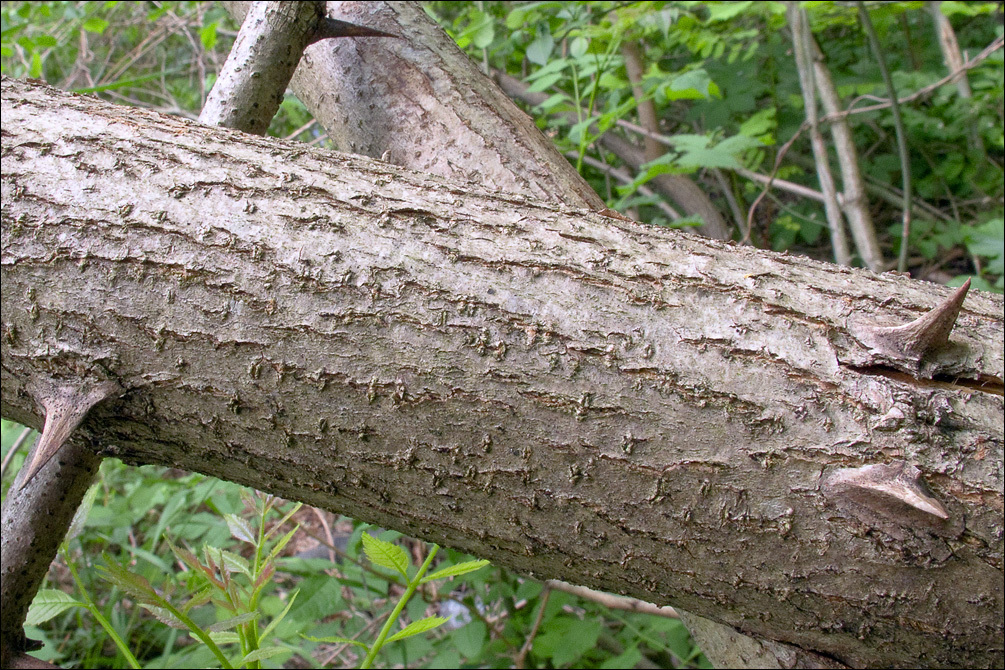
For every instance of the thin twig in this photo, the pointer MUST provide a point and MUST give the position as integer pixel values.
(898, 124)
(521, 658)
(991, 48)
(612, 601)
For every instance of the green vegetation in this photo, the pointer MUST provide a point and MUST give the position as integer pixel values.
(185, 581)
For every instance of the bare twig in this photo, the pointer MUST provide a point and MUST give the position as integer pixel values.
(521, 659)
(612, 601)
(898, 124)
(14, 449)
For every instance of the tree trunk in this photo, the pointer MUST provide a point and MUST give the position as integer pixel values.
(566, 394)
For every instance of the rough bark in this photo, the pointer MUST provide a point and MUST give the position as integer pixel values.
(250, 88)
(420, 102)
(566, 394)
(34, 523)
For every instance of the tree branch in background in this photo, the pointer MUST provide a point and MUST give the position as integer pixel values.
(853, 202)
(801, 42)
(953, 59)
(692, 200)
(898, 124)
(678, 188)
(998, 43)
(422, 103)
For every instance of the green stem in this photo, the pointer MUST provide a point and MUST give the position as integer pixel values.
(93, 609)
(412, 585)
(198, 632)
(251, 628)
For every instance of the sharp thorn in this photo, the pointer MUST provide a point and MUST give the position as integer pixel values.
(885, 485)
(914, 340)
(329, 28)
(65, 407)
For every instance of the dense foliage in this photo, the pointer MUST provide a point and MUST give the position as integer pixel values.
(727, 98)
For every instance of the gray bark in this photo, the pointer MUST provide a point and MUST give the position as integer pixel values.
(566, 394)
(250, 88)
(420, 102)
(35, 520)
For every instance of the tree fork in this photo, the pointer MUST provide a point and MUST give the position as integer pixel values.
(567, 394)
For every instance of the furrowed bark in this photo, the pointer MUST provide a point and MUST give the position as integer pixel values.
(569, 395)
(421, 103)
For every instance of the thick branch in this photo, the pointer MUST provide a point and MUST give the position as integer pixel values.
(421, 103)
(566, 394)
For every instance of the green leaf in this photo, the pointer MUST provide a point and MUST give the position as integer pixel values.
(988, 240)
(80, 516)
(386, 554)
(556, 65)
(627, 659)
(692, 85)
(470, 639)
(761, 125)
(207, 35)
(240, 528)
(516, 18)
(282, 544)
(45, 41)
(544, 82)
(232, 622)
(540, 49)
(454, 570)
(335, 639)
(49, 603)
(134, 585)
(417, 627)
(225, 637)
(723, 11)
(164, 615)
(567, 639)
(262, 653)
(275, 622)
(286, 517)
(201, 597)
(236, 563)
(578, 47)
(485, 34)
(94, 24)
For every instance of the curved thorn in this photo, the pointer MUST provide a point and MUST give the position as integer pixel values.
(923, 335)
(65, 407)
(884, 484)
(328, 28)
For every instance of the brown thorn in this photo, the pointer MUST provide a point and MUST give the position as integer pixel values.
(328, 28)
(881, 486)
(914, 340)
(65, 407)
